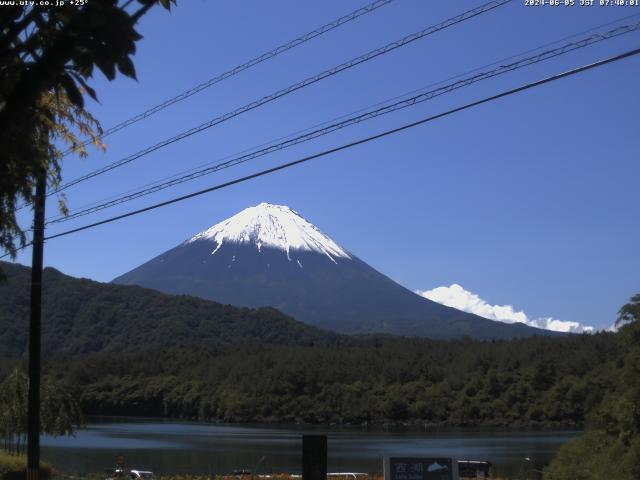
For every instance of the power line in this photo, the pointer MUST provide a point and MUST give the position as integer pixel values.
(349, 145)
(361, 141)
(292, 88)
(230, 73)
(405, 103)
(240, 68)
(344, 116)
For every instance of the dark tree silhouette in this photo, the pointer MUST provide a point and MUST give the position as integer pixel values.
(629, 312)
(53, 51)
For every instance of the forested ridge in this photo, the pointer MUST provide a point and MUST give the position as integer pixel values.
(133, 351)
(536, 381)
(81, 316)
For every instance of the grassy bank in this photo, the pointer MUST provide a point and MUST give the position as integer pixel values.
(14, 467)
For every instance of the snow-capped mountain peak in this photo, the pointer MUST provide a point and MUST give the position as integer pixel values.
(272, 226)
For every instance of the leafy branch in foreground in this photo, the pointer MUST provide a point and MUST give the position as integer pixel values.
(47, 56)
(59, 123)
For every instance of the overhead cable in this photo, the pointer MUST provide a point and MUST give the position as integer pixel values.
(361, 141)
(402, 104)
(242, 67)
(290, 89)
(344, 116)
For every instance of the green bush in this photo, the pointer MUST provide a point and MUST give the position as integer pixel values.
(595, 456)
(14, 467)
(610, 448)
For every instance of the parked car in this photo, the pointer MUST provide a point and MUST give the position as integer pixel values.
(476, 469)
(141, 475)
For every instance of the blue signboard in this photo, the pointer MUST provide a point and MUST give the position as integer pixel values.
(420, 468)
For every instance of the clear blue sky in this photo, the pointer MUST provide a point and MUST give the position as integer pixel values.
(531, 200)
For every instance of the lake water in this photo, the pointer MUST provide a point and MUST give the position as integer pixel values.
(167, 447)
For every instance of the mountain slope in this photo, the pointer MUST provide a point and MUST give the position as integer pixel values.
(268, 255)
(82, 316)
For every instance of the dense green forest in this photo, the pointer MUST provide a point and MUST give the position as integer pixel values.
(82, 316)
(590, 381)
(537, 381)
(134, 351)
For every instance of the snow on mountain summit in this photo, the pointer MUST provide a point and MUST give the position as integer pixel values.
(273, 226)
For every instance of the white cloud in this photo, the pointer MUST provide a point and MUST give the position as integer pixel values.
(457, 297)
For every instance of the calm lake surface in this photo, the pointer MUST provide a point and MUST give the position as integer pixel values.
(167, 447)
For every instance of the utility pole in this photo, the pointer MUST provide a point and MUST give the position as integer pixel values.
(33, 408)
(314, 457)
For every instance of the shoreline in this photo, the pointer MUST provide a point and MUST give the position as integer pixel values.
(381, 426)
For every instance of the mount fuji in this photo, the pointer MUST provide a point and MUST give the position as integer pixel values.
(268, 255)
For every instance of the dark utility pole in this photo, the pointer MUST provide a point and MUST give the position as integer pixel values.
(314, 457)
(33, 409)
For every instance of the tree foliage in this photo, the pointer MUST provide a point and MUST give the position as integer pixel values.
(368, 380)
(610, 448)
(130, 350)
(47, 56)
(59, 122)
(60, 411)
(630, 312)
(82, 316)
